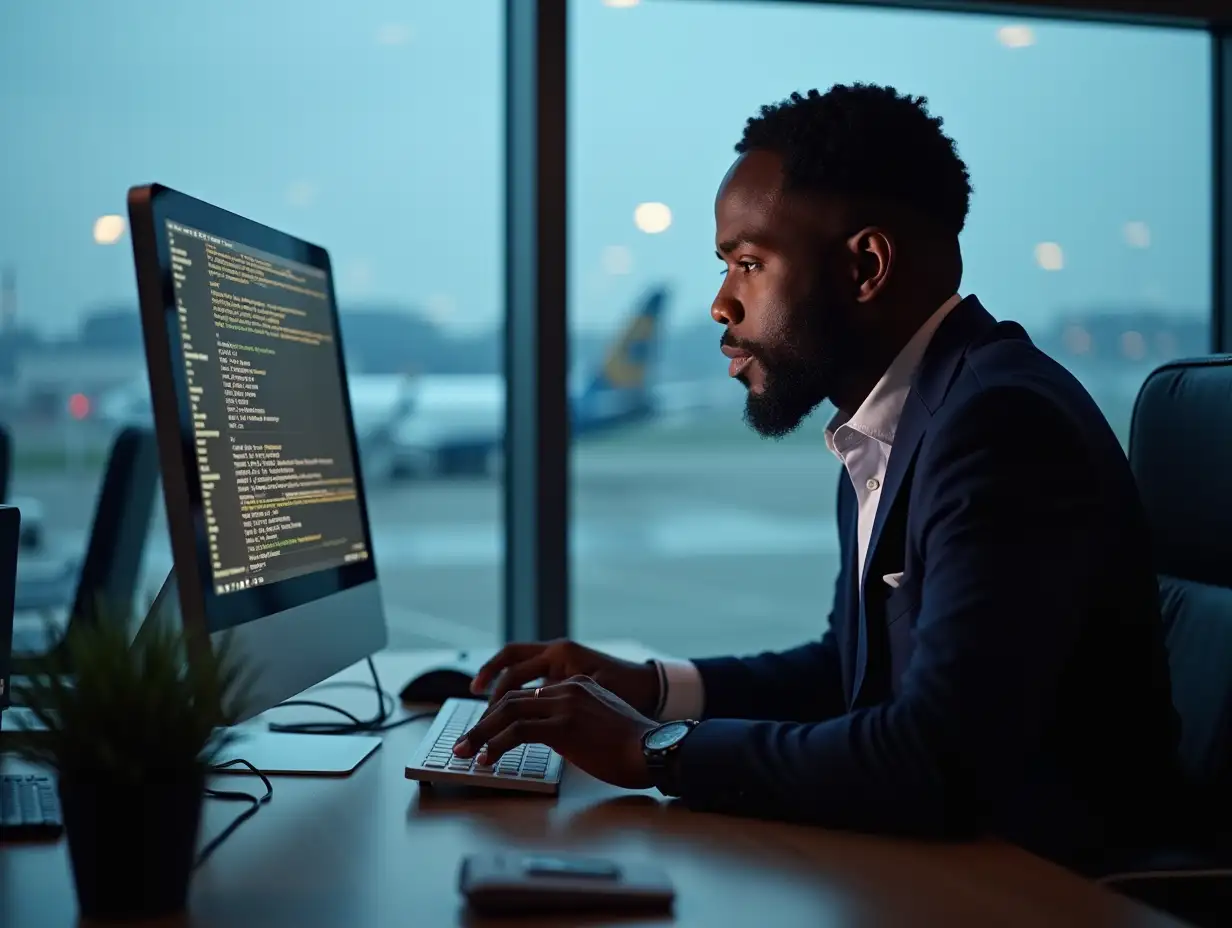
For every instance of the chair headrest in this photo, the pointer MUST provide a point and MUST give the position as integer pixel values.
(1180, 449)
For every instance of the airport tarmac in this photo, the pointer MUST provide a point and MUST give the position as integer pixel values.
(691, 547)
(695, 540)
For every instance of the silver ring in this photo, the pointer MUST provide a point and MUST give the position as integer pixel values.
(537, 689)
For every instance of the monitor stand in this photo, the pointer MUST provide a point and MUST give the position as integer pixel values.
(272, 753)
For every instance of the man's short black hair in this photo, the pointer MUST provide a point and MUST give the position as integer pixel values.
(865, 140)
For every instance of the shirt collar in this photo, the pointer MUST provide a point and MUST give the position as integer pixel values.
(878, 415)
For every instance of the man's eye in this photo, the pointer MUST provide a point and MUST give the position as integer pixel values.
(748, 266)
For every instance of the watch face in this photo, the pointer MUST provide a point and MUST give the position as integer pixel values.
(665, 736)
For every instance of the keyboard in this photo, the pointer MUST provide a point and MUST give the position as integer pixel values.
(532, 768)
(29, 808)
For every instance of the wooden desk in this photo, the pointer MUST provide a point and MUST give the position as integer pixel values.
(373, 850)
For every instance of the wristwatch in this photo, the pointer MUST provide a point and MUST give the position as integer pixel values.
(660, 746)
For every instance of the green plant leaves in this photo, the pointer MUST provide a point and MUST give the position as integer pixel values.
(131, 712)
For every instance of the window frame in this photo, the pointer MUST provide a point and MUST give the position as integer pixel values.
(537, 416)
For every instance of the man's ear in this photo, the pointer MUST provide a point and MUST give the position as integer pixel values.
(872, 251)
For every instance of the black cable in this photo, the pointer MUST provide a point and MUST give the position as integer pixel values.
(235, 795)
(356, 721)
(378, 723)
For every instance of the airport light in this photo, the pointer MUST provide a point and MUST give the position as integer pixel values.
(1137, 235)
(1077, 339)
(1133, 345)
(78, 406)
(108, 229)
(1048, 255)
(652, 218)
(1016, 36)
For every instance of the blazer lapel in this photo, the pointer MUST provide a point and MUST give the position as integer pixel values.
(937, 369)
(847, 615)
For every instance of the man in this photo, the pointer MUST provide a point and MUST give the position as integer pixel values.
(994, 661)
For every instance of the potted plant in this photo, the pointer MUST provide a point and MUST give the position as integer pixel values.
(131, 735)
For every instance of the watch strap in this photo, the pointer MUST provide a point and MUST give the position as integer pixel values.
(663, 764)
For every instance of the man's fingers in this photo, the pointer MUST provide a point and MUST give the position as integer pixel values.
(524, 718)
(513, 677)
(506, 656)
(521, 731)
(496, 704)
(513, 707)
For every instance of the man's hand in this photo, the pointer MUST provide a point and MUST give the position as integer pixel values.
(554, 661)
(580, 720)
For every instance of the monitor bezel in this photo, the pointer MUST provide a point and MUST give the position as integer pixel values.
(150, 207)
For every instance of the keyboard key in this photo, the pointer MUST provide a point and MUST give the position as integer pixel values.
(29, 807)
(525, 762)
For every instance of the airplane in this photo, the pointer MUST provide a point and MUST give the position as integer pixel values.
(456, 425)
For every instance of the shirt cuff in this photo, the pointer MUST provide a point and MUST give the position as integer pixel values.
(684, 695)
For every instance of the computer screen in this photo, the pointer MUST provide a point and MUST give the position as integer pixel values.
(266, 394)
(256, 444)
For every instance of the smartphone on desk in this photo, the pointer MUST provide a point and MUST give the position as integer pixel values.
(519, 882)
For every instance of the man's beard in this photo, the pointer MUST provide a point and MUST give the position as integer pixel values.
(799, 372)
(793, 388)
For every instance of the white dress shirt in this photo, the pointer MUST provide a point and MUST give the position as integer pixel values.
(862, 443)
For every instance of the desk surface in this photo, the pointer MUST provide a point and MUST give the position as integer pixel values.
(373, 850)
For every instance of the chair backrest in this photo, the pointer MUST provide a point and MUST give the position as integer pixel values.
(1181, 452)
(116, 548)
(6, 462)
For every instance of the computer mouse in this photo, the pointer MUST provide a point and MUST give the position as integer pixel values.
(438, 684)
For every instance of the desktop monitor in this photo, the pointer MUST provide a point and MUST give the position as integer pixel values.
(261, 477)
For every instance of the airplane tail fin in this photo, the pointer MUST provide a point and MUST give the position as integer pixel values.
(619, 392)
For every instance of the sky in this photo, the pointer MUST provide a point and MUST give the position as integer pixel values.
(376, 130)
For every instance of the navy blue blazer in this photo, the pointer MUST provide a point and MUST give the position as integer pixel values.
(1015, 683)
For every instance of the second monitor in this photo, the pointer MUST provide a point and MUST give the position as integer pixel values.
(260, 464)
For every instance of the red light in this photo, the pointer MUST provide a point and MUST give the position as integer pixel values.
(78, 405)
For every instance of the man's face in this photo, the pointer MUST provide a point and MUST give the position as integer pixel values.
(788, 296)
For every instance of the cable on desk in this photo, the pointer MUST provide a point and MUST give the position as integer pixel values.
(235, 795)
(378, 723)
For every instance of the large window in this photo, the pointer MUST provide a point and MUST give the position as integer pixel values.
(1089, 148)
(374, 129)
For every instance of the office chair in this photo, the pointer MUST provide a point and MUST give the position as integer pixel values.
(1180, 449)
(6, 462)
(111, 568)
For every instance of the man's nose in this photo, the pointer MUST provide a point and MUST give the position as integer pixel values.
(726, 311)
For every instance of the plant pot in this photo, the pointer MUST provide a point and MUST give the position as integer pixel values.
(132, 847)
